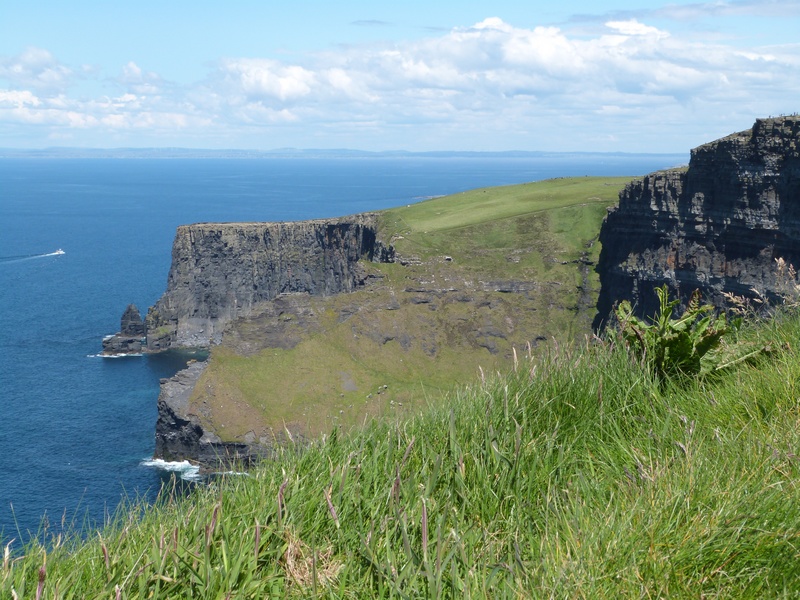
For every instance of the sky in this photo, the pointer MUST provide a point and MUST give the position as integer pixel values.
(599, 76)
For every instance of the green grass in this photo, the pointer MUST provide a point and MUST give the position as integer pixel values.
(564, 213)
(576, 474)
(483, 205)
(349, 346)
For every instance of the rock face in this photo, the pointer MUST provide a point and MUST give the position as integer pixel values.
(718, 226)
(130, 338)
(179, 434)
(220, 271)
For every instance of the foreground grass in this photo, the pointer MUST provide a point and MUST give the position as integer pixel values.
(575, 475)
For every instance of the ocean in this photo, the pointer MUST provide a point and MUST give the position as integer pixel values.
(82, 238)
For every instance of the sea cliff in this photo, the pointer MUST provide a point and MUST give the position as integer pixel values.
(319, 325)
(718, 226)
(220, 271)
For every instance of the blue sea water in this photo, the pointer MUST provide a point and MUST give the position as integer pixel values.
(76, 430)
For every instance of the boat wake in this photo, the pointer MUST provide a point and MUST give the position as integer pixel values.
(22, 257)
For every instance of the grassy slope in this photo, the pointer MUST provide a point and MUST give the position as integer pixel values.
(540, 232)
(575, 475)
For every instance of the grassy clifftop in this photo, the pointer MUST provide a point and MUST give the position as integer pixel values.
(573, 472)
(480, 274)
(577, 474)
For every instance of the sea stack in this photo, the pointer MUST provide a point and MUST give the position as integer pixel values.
(131, 337)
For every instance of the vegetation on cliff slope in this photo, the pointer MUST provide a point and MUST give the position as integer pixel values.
(576, 474)
(479, 274)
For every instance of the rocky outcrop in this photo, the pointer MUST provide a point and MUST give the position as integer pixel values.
(220, 271)
(180, 433)
(718, 226)
(131, 336)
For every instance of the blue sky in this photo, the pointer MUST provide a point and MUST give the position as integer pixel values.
(616, 75)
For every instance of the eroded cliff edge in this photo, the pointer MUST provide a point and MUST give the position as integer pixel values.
(717, 226)
(293, 356)
(220, 271)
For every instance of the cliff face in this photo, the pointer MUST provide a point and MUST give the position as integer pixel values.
(220, 271)
(718, 226)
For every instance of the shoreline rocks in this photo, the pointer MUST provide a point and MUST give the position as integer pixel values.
(180, 434)
(131, 338)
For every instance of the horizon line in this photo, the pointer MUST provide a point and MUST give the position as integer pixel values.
(290, 151)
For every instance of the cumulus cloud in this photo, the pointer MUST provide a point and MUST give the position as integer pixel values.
(489, 77)
(35, 69)
(263, 79)
(632, 27)
(135, 80)
(18, 99)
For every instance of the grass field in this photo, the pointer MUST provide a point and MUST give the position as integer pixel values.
(575, 474)
(422, 327)
(572, 472)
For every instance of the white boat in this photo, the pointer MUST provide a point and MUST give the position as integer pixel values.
(59, 251)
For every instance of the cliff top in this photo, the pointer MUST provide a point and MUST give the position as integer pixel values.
(787, 126)
(358, 218)
(477, 274)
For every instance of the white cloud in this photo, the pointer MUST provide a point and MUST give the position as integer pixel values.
(35, 68)
(18, 99)
(513, 85)
(633, 27)
(133, 79)
(268, 79)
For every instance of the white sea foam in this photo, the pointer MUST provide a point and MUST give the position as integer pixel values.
(138, 354)
(243, 474)
(187, 470)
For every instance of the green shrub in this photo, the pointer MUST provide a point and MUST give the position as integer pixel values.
(689, 345)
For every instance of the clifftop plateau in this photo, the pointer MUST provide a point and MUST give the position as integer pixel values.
(322, 324)
(718, 226)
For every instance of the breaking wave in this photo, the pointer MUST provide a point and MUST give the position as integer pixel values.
(186, 470)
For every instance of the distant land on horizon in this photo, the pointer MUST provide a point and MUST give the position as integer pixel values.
(66, 152)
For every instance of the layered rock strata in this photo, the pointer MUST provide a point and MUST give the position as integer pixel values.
(719, 226)
(131, 336)
(221, 270)
(219, 273)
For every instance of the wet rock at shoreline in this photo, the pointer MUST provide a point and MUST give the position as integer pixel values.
(131, 337)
